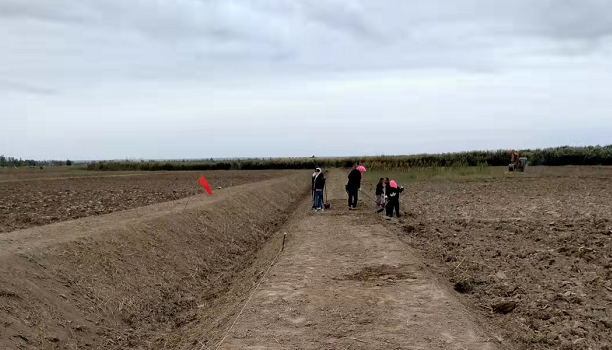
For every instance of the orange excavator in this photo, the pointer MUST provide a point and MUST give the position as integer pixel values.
(517, 163)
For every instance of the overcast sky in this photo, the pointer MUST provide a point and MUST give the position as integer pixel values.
(106, 79)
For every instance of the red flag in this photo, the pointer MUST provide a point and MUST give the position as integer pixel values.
(204, 184)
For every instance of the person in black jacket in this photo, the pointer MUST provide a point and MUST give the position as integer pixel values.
(353, 186)
(318, 185)
(314, 174)
(380, 195)
(393, 198)
(387, 186)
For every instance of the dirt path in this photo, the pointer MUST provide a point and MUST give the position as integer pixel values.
(345, 281)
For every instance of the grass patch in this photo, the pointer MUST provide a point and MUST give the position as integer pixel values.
(421, 174)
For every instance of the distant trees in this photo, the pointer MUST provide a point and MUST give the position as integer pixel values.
(19, 162)
(592, 155)
(13, 162)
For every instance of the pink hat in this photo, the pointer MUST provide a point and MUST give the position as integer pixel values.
(392, 184)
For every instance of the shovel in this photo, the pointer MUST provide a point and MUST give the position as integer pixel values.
(327, 204)
(383, 208)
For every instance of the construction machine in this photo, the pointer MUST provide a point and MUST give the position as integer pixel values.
(516, 162)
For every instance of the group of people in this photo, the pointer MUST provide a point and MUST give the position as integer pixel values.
(387, 192)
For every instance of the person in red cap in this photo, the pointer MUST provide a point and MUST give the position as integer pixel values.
(393, 198)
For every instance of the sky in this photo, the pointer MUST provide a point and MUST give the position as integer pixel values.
(155, 79)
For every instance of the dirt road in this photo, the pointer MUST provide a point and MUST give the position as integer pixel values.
(344, 281)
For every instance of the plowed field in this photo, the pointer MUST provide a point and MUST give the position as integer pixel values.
(532, 252)
(31, 199)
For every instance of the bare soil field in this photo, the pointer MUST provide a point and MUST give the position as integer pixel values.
(50, 172)
(29, 198)
(531, 253)
(485, 260)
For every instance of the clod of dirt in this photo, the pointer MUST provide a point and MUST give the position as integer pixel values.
(505, 307)
(541, 314)
(606, 322)
(501, 275)
(8, 294)
(22, 337)
(579, 341)
(409, 228)
(570, 297)
(463, 287)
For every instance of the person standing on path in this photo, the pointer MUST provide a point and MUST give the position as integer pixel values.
(380, 195)
(393, 196)
(318, 185)
(353, 186)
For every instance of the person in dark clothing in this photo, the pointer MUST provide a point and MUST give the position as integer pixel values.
(314, 174)
(318, 185)
(387, 186)
(380, 195)
(393, 198)
(353, 186)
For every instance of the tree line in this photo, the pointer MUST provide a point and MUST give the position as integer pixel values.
(557, 156)
(18, 162)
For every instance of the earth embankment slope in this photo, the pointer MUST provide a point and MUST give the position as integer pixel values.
(126, 279)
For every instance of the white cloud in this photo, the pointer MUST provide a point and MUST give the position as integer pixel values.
(115, 78)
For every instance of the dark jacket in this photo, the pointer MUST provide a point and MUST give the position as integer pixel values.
(319, 182)
(394, 193)
(380, 188)
(354, 179)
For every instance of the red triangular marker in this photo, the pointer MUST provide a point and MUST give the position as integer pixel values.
(204, 184)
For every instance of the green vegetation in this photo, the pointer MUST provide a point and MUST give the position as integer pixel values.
(593, 155)
(11, 162)
(452, 173)
(245, 164)
(14, 162)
